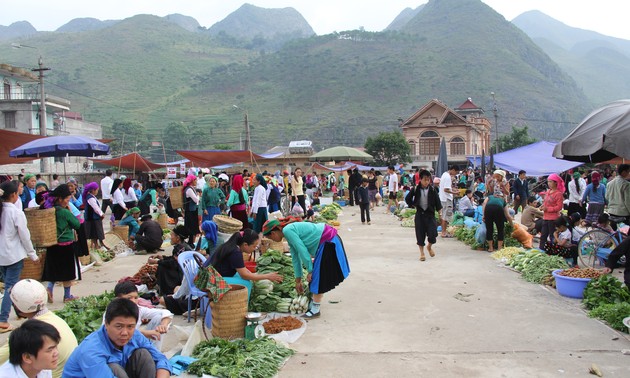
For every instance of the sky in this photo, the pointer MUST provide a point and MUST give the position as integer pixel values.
(607, 17)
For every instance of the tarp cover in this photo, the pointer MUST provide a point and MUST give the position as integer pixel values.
(536, 159)
(60, 146)
(213, 158)
(133, 161)
(11, 140)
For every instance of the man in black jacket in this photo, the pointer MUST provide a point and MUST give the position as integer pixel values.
(426, 200)
(521, 191)
(353, 185)
(149, 236)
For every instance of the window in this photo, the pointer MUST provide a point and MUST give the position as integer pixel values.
(429, 143)
(458, 146)
(7, 90)
(9, 120)
(412, 147)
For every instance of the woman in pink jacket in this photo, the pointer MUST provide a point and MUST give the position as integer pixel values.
(551, 207)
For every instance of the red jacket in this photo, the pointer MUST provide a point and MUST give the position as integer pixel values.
(553, 205)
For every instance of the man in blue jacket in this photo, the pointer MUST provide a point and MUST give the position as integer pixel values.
(117, 349)
(521, 191)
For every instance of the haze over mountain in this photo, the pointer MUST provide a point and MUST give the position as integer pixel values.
(599, 64)
(403, 18)
(332, 89)
(17, 30)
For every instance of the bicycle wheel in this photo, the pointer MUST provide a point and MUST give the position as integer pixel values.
(594, 246)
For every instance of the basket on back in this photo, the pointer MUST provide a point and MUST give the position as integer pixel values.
(42, 224)
(163, 220)
(176, 196)
(227, 224)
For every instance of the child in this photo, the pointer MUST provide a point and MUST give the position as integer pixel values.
(426, 201)
(603, 222)
(579, 228)
(158, 320)
(93, 216)
(561, 244)
(363, 198)
(532, 216)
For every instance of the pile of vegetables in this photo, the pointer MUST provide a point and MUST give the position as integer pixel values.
(85, 315)
(536, 265)
(506, 254)
(408, 222)
(609, 300)
(328, 214)
(240, 358)
(166, 233)
(269, 297)
(467, 235)
(104, 255)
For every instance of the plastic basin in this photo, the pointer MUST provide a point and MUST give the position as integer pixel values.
(341, 203)
(251, 266)
(569, 286)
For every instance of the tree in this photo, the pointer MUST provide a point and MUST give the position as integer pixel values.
(388, 148)
(222, 147)
(517, 138)
(130, 137)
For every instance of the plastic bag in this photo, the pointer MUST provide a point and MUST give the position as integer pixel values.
(195, 338)
(297, 210)
(286, 336)
(520, 233)
(480, 234)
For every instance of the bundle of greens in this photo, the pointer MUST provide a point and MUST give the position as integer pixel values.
(541, 265)
(269, 297)
(240, 358)
(605, 290)
(613, 314)
(85, 315)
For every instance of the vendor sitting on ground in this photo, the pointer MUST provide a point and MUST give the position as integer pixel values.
(131, 219)
(560, 243)
(157, 320)
(169, 274)
(149, 235)
(532, 216)
(117, 348)
(228, 260)
(465, 204)
(33, 351)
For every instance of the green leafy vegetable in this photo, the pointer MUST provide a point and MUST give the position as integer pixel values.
(605, 290)
(613, 314)
(85, 315)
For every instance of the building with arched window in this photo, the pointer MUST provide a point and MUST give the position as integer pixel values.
(465, 130)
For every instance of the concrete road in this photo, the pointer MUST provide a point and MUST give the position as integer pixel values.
(458, 314)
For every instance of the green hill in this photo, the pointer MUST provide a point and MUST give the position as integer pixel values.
(332, 89)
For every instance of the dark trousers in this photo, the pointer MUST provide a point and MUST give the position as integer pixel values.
(426, 227)
(546, 230)
(105, 204)
(622, 249)
(352, 190)
(522, 202)
(147, 244)
(365, 212)
(494, 215)
(139, 365)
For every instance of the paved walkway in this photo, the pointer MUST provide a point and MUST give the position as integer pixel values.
(399, 317)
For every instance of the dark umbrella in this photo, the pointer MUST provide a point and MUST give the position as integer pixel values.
(491, 162)
(442, 161)
(483, 165)
(602, 135)
(61, 146)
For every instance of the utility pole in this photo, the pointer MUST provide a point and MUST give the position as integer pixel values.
(495, 110)
(248, 143)
(42, 107)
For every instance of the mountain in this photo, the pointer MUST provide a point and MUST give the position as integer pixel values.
(249, 22)
(598, 63)
(333, 89)
(85, 24)
(186, 22)
(17, 30)
(403, 18)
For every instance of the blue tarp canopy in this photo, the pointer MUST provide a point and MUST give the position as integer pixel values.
(536, 159)
(475, 161)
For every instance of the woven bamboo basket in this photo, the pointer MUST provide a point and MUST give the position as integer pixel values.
(122, 232)
(42, 225)
(32, 270)
(268, 244)
(228, 314)
(85, 260)
(227, 223)
(163, 220)
(175, 194)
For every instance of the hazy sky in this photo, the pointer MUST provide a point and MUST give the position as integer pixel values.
(609, 17)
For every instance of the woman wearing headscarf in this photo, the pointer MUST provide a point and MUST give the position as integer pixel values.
(259, 203)
(15, 240)
(75, 205)
(28, 193)
(150, 198)
(238, 201)
(211, 198)
(307, 241)
(498, 184)
(131, 219)
(61, 262)
(39, 188)
(119, 208)
(191, 204)
(77, 198)
(552, 205)
(595, 196)
(93, 215)
(129, 194)
(577, 186)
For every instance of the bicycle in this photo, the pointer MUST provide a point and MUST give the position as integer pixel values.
(596, 245)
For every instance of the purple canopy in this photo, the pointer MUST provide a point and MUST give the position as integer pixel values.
(59, 146)
(536, 159)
